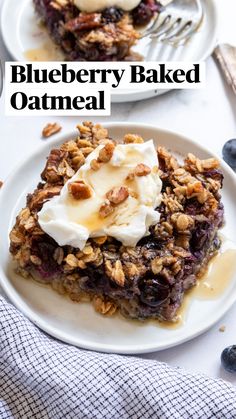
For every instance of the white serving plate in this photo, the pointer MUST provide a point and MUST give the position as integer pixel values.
(78, 323)
(27, 36)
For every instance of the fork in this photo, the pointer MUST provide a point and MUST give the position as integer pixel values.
(178, 21)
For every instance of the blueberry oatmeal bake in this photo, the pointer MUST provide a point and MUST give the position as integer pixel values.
(96, 30)
(121, 224)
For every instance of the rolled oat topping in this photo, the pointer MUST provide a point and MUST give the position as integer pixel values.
(132, 139)
(106, 153)
(104, 307)
(95, 164)
(59, 4)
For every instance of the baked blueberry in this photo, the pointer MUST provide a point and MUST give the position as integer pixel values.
(229, 153)
(228, 358)
(145, 11)
(112, 14)
(153, 292)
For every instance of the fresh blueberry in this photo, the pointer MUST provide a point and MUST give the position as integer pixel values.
(229, 153)
(228, 358)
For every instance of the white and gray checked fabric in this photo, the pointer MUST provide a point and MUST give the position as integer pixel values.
(43, 378)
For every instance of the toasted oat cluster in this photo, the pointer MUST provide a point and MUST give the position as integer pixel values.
(104, 36)
(146, 281)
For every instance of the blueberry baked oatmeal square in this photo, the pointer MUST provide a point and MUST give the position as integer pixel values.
(121, 224)
(96, 30)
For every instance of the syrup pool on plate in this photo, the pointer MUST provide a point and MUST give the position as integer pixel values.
(212, 284)
(48, 51)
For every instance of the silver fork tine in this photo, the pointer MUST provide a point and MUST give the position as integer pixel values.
(181, 32)
(166, 25)
(153, 27)
(185, 32)
(173, 29)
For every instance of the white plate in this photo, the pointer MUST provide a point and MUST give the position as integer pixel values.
(78, 323)
(27, 36)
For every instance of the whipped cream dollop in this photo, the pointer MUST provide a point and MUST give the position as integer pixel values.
(71, 221)
(91, 6)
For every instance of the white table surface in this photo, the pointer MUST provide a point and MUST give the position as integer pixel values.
(209, 116)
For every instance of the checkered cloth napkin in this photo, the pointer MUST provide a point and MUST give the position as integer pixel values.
(43, 378)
